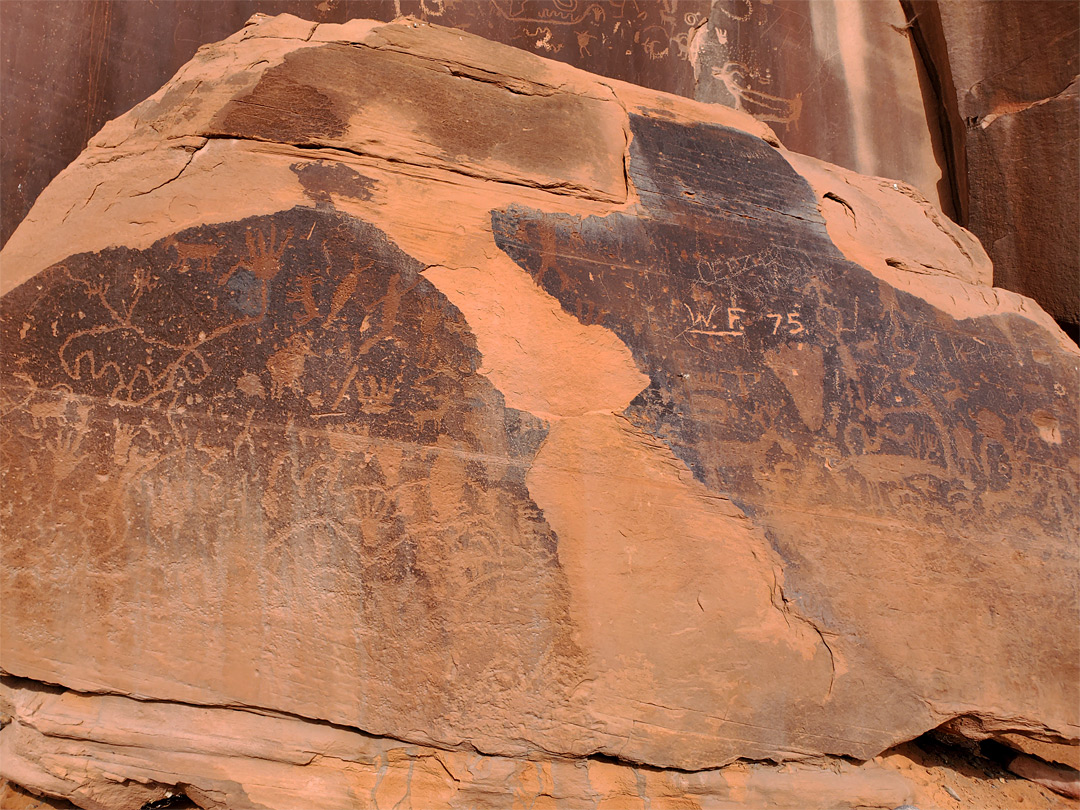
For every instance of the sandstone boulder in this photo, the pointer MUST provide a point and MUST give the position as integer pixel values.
(385, 381)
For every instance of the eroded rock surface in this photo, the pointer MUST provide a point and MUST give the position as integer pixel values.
(392, 385)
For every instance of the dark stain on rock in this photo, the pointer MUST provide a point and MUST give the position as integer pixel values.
(281, 108)
(830, 406)
(562, 135)
(292, 384)
(721, 293)
(322, 178)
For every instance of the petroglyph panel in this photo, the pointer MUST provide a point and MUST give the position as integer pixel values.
(645, 43)
(282, 410)
(892, 453)
(840, 81)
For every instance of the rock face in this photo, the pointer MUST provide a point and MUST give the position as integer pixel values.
(1017, 109)
(378, 388)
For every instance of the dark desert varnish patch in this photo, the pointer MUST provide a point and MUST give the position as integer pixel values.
(283, 402)
(560, 139)
(322, 178)
(865, 430)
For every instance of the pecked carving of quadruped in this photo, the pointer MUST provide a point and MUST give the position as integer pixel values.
(394, 416)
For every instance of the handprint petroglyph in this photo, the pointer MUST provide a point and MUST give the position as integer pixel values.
(264, 253)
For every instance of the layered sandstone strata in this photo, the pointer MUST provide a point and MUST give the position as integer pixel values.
(386, 390)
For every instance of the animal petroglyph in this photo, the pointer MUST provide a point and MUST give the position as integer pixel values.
(286, 365)
(736, 78)
(187, 254)
(543, 39)
(655, 41)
